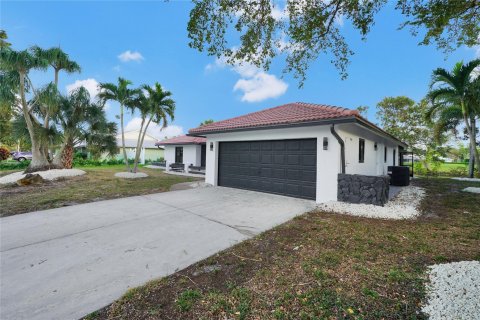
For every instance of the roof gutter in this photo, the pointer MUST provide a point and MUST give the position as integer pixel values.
(342, 146)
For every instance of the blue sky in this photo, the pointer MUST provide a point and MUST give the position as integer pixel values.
(153, 39)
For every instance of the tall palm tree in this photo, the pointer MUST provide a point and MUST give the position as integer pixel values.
(125, 97)
(59, 61)
(452, 91)
(20, 63)
(154, 104)
(83, 121)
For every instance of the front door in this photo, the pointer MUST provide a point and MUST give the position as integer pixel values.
(178, 154)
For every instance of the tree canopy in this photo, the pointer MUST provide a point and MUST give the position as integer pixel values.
(256, 31)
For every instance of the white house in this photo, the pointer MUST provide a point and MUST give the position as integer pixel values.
(297, 149)
(149, 151)
(185, 150)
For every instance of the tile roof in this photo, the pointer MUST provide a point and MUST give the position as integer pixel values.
(291, 113)
(182, 140)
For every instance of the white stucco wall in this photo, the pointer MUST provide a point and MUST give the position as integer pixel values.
(374, 159)
(191, 154)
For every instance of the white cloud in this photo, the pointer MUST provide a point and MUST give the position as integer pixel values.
(154, 129)
(260, 87)
(256, 84)
(92, 87)
(116, 68)
(130, 56)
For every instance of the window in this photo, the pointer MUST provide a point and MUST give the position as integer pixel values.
(361, 150)
(394, 156)
(178, 154)
(385, 155)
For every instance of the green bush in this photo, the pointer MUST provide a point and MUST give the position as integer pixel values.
(14, 165)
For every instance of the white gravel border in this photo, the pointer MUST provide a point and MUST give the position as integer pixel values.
(52, 174)
(131, 175)
(453, 291)
(467, 179)
(472, 190)
(403, 206)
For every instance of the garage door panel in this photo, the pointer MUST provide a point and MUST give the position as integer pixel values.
(279, 159)
(266, 159)
(286, 167)
(310, 145)
(309, 160)
(293, 159)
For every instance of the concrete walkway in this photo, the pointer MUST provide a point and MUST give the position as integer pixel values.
(65, 263)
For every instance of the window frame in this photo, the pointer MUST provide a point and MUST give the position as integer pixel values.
(361, 150)
(385, 154)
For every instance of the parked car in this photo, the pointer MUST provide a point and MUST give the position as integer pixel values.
(22, 156)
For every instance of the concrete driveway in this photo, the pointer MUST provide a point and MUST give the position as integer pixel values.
(65, 263)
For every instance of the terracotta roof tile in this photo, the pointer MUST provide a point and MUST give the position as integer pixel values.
(291, 113)
(182, 140)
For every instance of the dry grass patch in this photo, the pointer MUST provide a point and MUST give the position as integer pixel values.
(320, 266)
(98, 184)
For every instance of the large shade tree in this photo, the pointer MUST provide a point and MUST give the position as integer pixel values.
(304, 30)
(126, 97)
(455, 96)
(155, 105)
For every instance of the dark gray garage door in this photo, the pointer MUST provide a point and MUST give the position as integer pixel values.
(286, 167)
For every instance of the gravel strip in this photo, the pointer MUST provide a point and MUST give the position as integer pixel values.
(468, 179)
(403, 206)
(453, 291)
(472, 190)
(47, 175)
(131, 175)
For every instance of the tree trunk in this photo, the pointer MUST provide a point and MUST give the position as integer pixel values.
(471, 134)
(67, 156)
(473, 142)
(39, 161)
(143, 137)
(123, 139)
(139, 147)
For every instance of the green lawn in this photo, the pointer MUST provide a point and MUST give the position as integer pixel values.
(98, 184)
(320, 266)
(447, 167)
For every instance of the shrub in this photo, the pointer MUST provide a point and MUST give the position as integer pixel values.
(13, 165)
(4, 153)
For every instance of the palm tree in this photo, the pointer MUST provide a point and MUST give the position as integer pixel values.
(454, 93)
(59, 61)
(125, 97)
(18, 64)
(155, 105)
(83, 121)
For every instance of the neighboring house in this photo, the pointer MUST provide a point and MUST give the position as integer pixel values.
(150, 151)
(184, 149)
(296, 150)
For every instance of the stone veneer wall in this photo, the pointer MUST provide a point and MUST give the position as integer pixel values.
(355, 188)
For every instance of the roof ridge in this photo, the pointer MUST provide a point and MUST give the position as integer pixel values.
(244, 115)
(327, 106)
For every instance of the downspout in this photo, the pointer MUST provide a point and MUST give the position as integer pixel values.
(342, 146)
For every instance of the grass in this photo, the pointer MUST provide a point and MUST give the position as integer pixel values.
(98, 184)
(320, 266)
(447, 167)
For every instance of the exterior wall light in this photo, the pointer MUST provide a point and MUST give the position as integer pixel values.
(325, 143)
(211, 146)
(375, 146)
